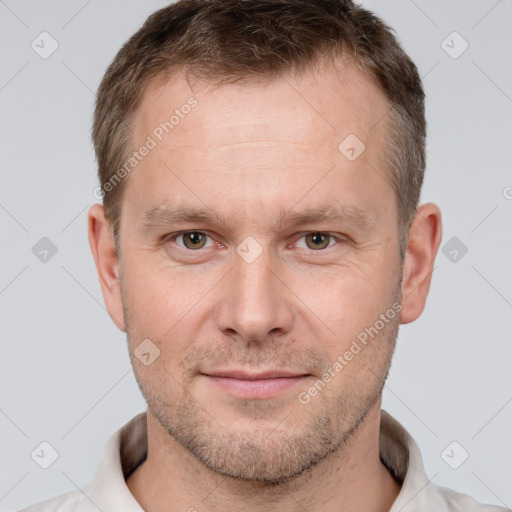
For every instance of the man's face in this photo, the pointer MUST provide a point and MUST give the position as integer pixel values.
(297, 253)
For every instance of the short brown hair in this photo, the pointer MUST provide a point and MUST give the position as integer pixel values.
(227, 41)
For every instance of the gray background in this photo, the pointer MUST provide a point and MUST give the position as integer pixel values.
(65, 376)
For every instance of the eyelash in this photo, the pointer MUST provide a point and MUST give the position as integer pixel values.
(175, 236)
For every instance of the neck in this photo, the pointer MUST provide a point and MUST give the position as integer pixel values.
(352, 478)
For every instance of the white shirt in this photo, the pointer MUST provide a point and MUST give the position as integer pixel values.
(127, 448)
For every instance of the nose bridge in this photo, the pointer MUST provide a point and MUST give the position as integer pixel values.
(253, 282)
(255, 301)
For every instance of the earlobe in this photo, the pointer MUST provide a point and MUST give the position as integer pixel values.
(103, 249)
(424, 239)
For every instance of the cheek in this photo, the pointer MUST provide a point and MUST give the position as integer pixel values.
(162, 300)
(171, 307)
(347, 299)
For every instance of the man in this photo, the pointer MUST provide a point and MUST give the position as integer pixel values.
(260, 241)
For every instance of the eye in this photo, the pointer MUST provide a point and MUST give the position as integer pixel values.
(317, 241)
(192, 240)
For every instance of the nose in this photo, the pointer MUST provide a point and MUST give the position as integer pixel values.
(255, 304)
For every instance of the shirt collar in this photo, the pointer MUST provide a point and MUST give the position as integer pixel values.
(401, 455)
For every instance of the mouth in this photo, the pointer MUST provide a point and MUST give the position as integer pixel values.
(255, 386)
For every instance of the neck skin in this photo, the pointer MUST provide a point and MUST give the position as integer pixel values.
(351, 479)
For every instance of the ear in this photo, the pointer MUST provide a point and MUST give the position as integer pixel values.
(104, 252)
(424, 239)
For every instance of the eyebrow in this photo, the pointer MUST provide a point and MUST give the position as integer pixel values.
(344, 214)
(166, 215)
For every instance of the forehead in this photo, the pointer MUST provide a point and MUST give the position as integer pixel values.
(317, 108)
(261, 143)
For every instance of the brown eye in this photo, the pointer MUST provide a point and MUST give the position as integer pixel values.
(193, 239)
(317, 240)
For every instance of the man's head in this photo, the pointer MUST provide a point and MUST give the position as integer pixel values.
(260, 268)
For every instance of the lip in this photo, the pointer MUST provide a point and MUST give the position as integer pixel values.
(246, 385)
(245, 375)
